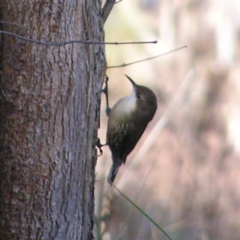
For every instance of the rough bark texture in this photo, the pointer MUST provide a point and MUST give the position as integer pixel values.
(49, 112)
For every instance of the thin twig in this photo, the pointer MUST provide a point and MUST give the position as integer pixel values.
(137, 195)
(146, 59)
(71, 41)
(141, 211)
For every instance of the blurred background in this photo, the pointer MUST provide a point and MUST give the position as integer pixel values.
(185, 170)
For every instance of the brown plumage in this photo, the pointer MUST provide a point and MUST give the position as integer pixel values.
(127, 121)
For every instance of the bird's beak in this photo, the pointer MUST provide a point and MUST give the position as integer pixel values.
(133, 83)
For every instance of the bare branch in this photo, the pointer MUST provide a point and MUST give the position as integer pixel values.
(146, 59)
(71, 41)
(107, 8)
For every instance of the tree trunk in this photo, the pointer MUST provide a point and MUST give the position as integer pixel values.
(49, 113)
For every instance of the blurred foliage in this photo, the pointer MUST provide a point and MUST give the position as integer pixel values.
(188, 178)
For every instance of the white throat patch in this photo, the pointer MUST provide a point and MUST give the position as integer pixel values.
(126, 105)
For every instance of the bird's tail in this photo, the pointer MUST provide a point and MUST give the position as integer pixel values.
(113, 172)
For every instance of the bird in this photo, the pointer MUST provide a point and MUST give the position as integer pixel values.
(127, 121)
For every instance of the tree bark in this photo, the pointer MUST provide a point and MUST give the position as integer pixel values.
(49, 114)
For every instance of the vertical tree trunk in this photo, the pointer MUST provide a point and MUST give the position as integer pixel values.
(49, 112)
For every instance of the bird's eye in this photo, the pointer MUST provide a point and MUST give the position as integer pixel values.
(138, 96)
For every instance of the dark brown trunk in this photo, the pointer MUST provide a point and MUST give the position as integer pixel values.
(49, 112)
